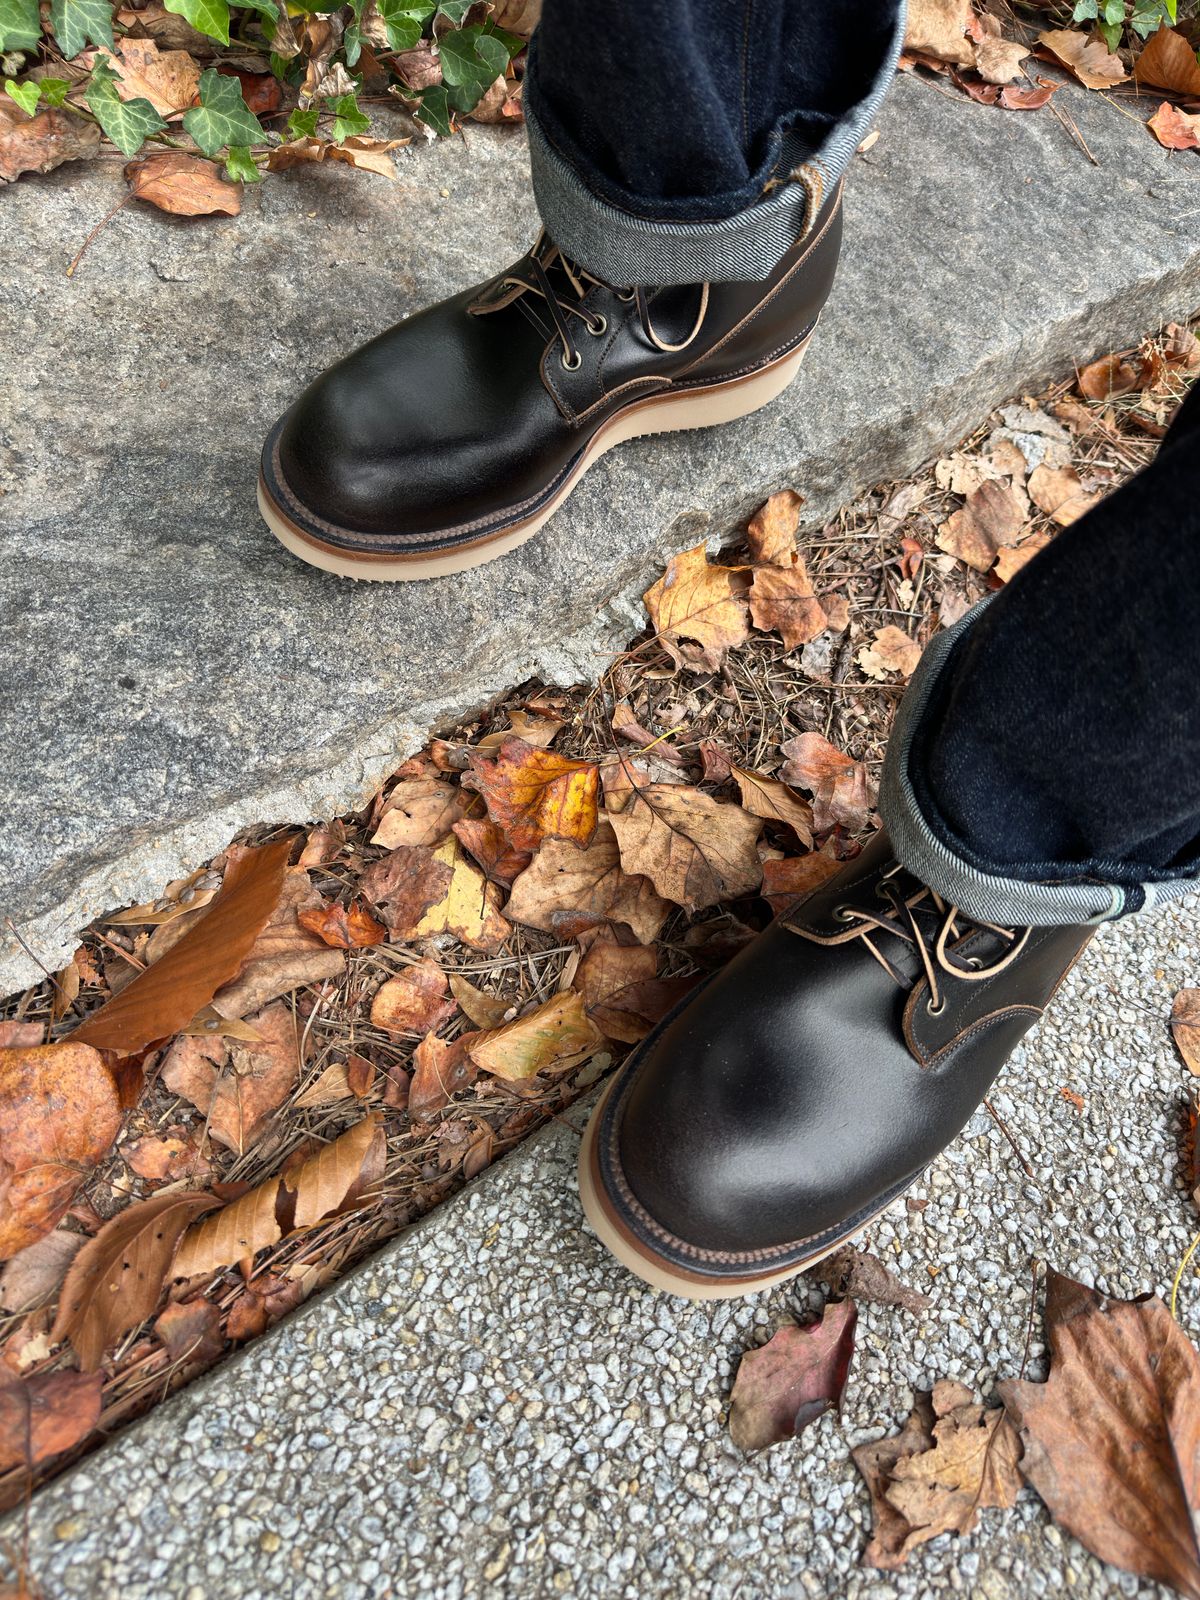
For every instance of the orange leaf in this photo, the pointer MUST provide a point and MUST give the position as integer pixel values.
(441, 1069)
(837, 783)
(344, 927)
(1092, 62)
(1169, 62)
(414, 1001)
(782, 599)
(774, 802)
(534, 794)
(1177, 130)
(325, 1181)
(771, 533)
(238, 1231)
(694, 600)
(185, 185)
(45, 1415)
(555, 1036)
(787, 882)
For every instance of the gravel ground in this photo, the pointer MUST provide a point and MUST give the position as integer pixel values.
(490, 1406)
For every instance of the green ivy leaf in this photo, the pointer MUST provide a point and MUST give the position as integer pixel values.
(303, 124)
(435, 109)
(54, 90)
(352, 43)
(222, 117)
(240, 165)
(347, 118)
(454, 11)
(1112, 32)
(209, 17)
(266, 8)
(464, 97)
(76, 22)
(1085, 11)
(20, 25)
(404, 21)
(126, 122)
(471, 56)
(26, 95)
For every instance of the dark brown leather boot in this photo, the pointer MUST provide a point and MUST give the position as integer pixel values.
(450, 439)
(790, 1100)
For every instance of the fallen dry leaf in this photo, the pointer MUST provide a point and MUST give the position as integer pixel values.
(42, 1416)
(939, 28)
(695, 850)
(553, 1037)
(59, 1113)
(626, 726)
(440, 1070)
(286, 955)
(623, 995)
(864, 1277)
(235, 1233)
(489, 846)
(1092, 62)
(1112, 1438)
(787, 882)
(470, 907)
(771, 532)
(999, 60)
(166, 996)
(169, 79)
(837, 783)
(1169, 62)
(701, 602)
(332, 1085)
(533, 728)
(183, 184)
(1058, 492)
(343, 927)
(21, 1035)
(328, 1179)
(1112, 375)
(1013, 557)
(567, 890)
(37, 1271)
(1185, 1026)
(42, 142)
(238, 1098)
(404, 884)
(533, 794)
(484, 1010)
(890, 651)
(166, 1159)
(992, 516)
(782, 601)
(951, 1458)
(115, 1280)
(1175, 129)
(420, 811)
(774, 802)
(792, 1379)
(191, 1331)
(359, 150)
(414, 1001)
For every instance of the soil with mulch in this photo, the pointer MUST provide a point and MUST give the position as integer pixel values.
(369, 1056)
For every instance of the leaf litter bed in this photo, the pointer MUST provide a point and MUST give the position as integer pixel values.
(234, 1093)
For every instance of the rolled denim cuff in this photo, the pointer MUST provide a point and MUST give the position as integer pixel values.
(988, 897)
(626, 249)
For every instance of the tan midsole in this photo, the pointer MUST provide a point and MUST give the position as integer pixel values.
(699, 408)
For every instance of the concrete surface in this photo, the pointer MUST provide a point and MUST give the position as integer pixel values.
(491, 1407)
(170, 673)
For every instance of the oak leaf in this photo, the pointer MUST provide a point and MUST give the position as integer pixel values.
(59, 1113)
(414, 1001)
(890, 651)
(1112, 1438)
(774, 801)
(771, 533)
(837, 783)
(533, 794)
(553, 1037)
(695, 850)
(470, 907)
(701, 602)
(567, 890)
(792, 1379)
(420, 811)
(167, 995)
(42, 1416)
(115, 1280)
(1092, 62)
(782, 600)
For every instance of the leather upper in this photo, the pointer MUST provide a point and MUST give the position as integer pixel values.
(804, 1086)
(463, 418)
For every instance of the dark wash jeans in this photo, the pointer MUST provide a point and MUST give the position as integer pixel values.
(1045, 765)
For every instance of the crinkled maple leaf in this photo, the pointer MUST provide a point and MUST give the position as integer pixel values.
(695, 850)
(1112, 1438)
(792, 1379)
(533, 794)
(837, 783)
(782, 601)
(566, 890)
(704, 603)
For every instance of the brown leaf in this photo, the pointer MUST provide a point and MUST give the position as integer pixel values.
(236, 1232)
(22, 1035)
(169, 79)
(185, 185)
(991, 517)
(890, 651)
(951, 1458)
(325, 1181)
(999, 60)
(470, 907)
(404, 884)
(697, 601)
(1059, 492)
(166, 996)
(555, 1036)
(59, 1113)
(420, 811)
(1174, 129)
(533, 794)
(343, 927)
(1169, 62)
(837, 783)
(695, 850)
(484, 1010)
(324, 843)
(285, 955)
(1015, 99)
(792, 1379)
(489, 846)
(332, 1085)
(247, 1317)
(42, 1416)
(938, 28)
(1112, 375)
(1112, 1439)
(37, 1271)
(774, 802)
(115, 1280)
(1013, 557)
(1185, 1025)
(414, 1001)
(44, 141)
(441, 1069)
(238, 1100)
(191, 1331)
(167, 1159)
(623, 995)
(787, 882)
(865, 1278)
(567, 890)
(1092, 62)
(782, 600)
(626, 726)
(534, 729)
(260, 90)
(771, 533)
(1180, 346)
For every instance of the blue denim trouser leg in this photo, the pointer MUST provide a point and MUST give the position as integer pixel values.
(1045, 762)
(678, 141)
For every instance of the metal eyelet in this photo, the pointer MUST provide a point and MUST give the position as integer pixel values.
(628, 297)
(936, 1011)
(974, 962)
(599, 326)
(572, 366)
(844, 913)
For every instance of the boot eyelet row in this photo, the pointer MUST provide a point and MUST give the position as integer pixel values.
(572, 366)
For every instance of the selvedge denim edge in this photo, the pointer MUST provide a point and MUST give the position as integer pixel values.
(1012, 902)
(626, 249)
